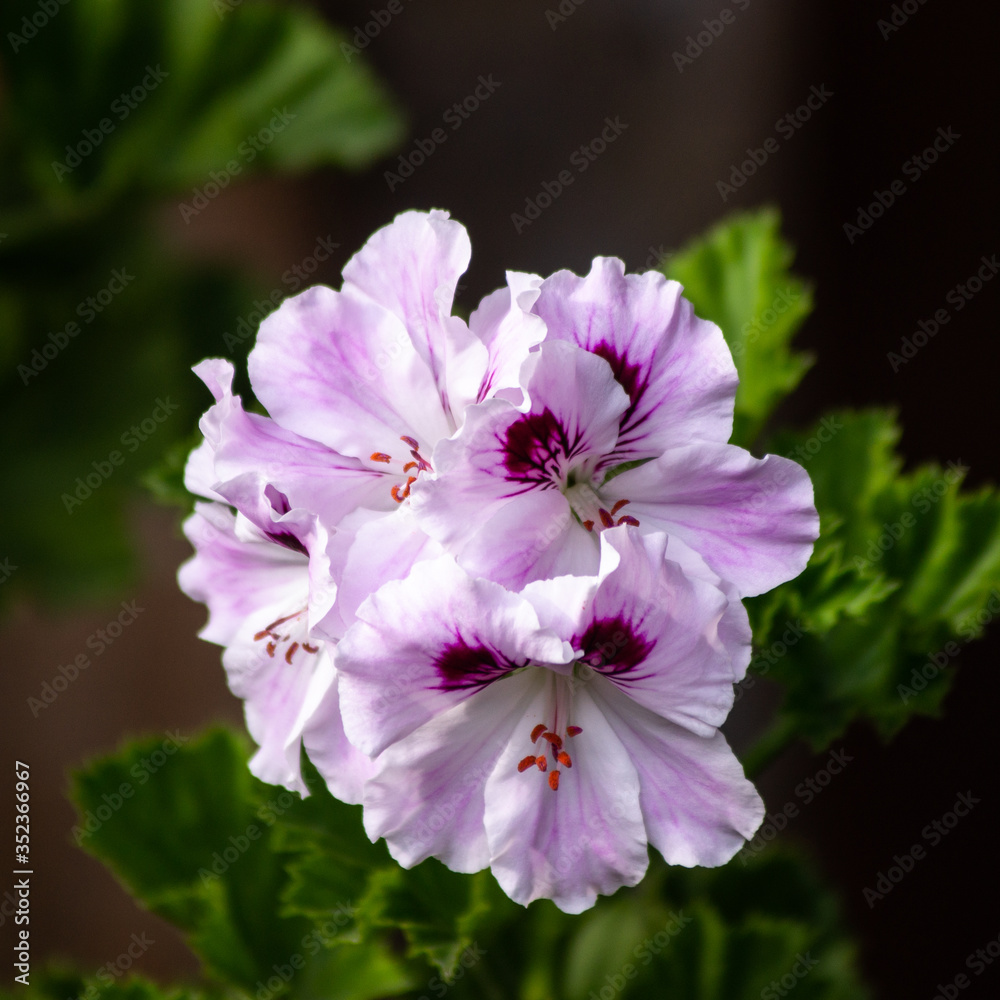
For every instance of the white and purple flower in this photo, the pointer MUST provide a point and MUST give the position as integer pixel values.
(500, 562)
(578, 717)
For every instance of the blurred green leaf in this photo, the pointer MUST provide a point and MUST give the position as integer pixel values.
(731, 933)
(99, 319)
(738, 277)
(113, 96)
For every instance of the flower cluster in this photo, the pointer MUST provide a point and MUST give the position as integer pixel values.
(489, 573)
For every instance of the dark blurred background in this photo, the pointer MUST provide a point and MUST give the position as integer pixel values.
(562, 69)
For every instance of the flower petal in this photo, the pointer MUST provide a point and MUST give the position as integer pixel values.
(427, 798)
(343, 766)
(570, 843)
(752, 520)
(342, 370)
(697, 805)
(232, 578)
(428, 642)
(411, 267)
(505, 457)
(647, 628)
(309, 474)
(505, 325)
(676, 368)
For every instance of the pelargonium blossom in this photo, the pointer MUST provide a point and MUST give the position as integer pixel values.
(560, 729)
(265, 584)
(501, 562)
(627, 378)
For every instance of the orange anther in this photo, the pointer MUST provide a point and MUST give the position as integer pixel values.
(410, 441)
(396, 494)
(410, 465)
(537, 731)
(589, 525)
(381, 456)
(525, 763)
(290, 652)
(618, 506)
(542, 763)
(310, 649)
(628, 519)
(606, 519)
(260, 635)
(555, 740)
(554, 780)
(270, 649)
(573, 730)
(564, 758)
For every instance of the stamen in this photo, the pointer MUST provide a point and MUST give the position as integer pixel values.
(526, 763)
(260, 635)
(281, 621)
(554, 780)
(606, 519)
(542, 763)
(564, 758)
(537, 731)
(270, 649)
(555, 740)
(310, 649)
(395, 494)
(618, 506)
(410, 465)
(381, 456)
(628, 519)
(573, 730)
(410, 441)
(589, 525)
(290, 652)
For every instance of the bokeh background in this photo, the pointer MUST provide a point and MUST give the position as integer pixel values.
(652, 190)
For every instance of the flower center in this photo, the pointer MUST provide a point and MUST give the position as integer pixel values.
(553, 745)
(588, 505)
(418, 463)
(278, 636)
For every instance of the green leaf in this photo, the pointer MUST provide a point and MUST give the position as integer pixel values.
(714, 934)
(80, 373)
(738, 277)
(158, 97)
(354, 889)
(906, 571)
(179, 820)
(51, 984)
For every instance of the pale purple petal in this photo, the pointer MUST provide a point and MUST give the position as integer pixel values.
(311, 475)
(428, 796)
(343, 766)
(647, 628)
(752, 520)
(411, 268)
(506, 326)
(342, 370)
(697, 805)
(428, 642)
(232, 578)
(582, 839)
(505, 457)
(368, 550)
(676, 368)
(278, 699)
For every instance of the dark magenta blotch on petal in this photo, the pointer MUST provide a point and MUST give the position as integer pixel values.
(536, 448)
(612, 646)
(626, 375)
(462, 666)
